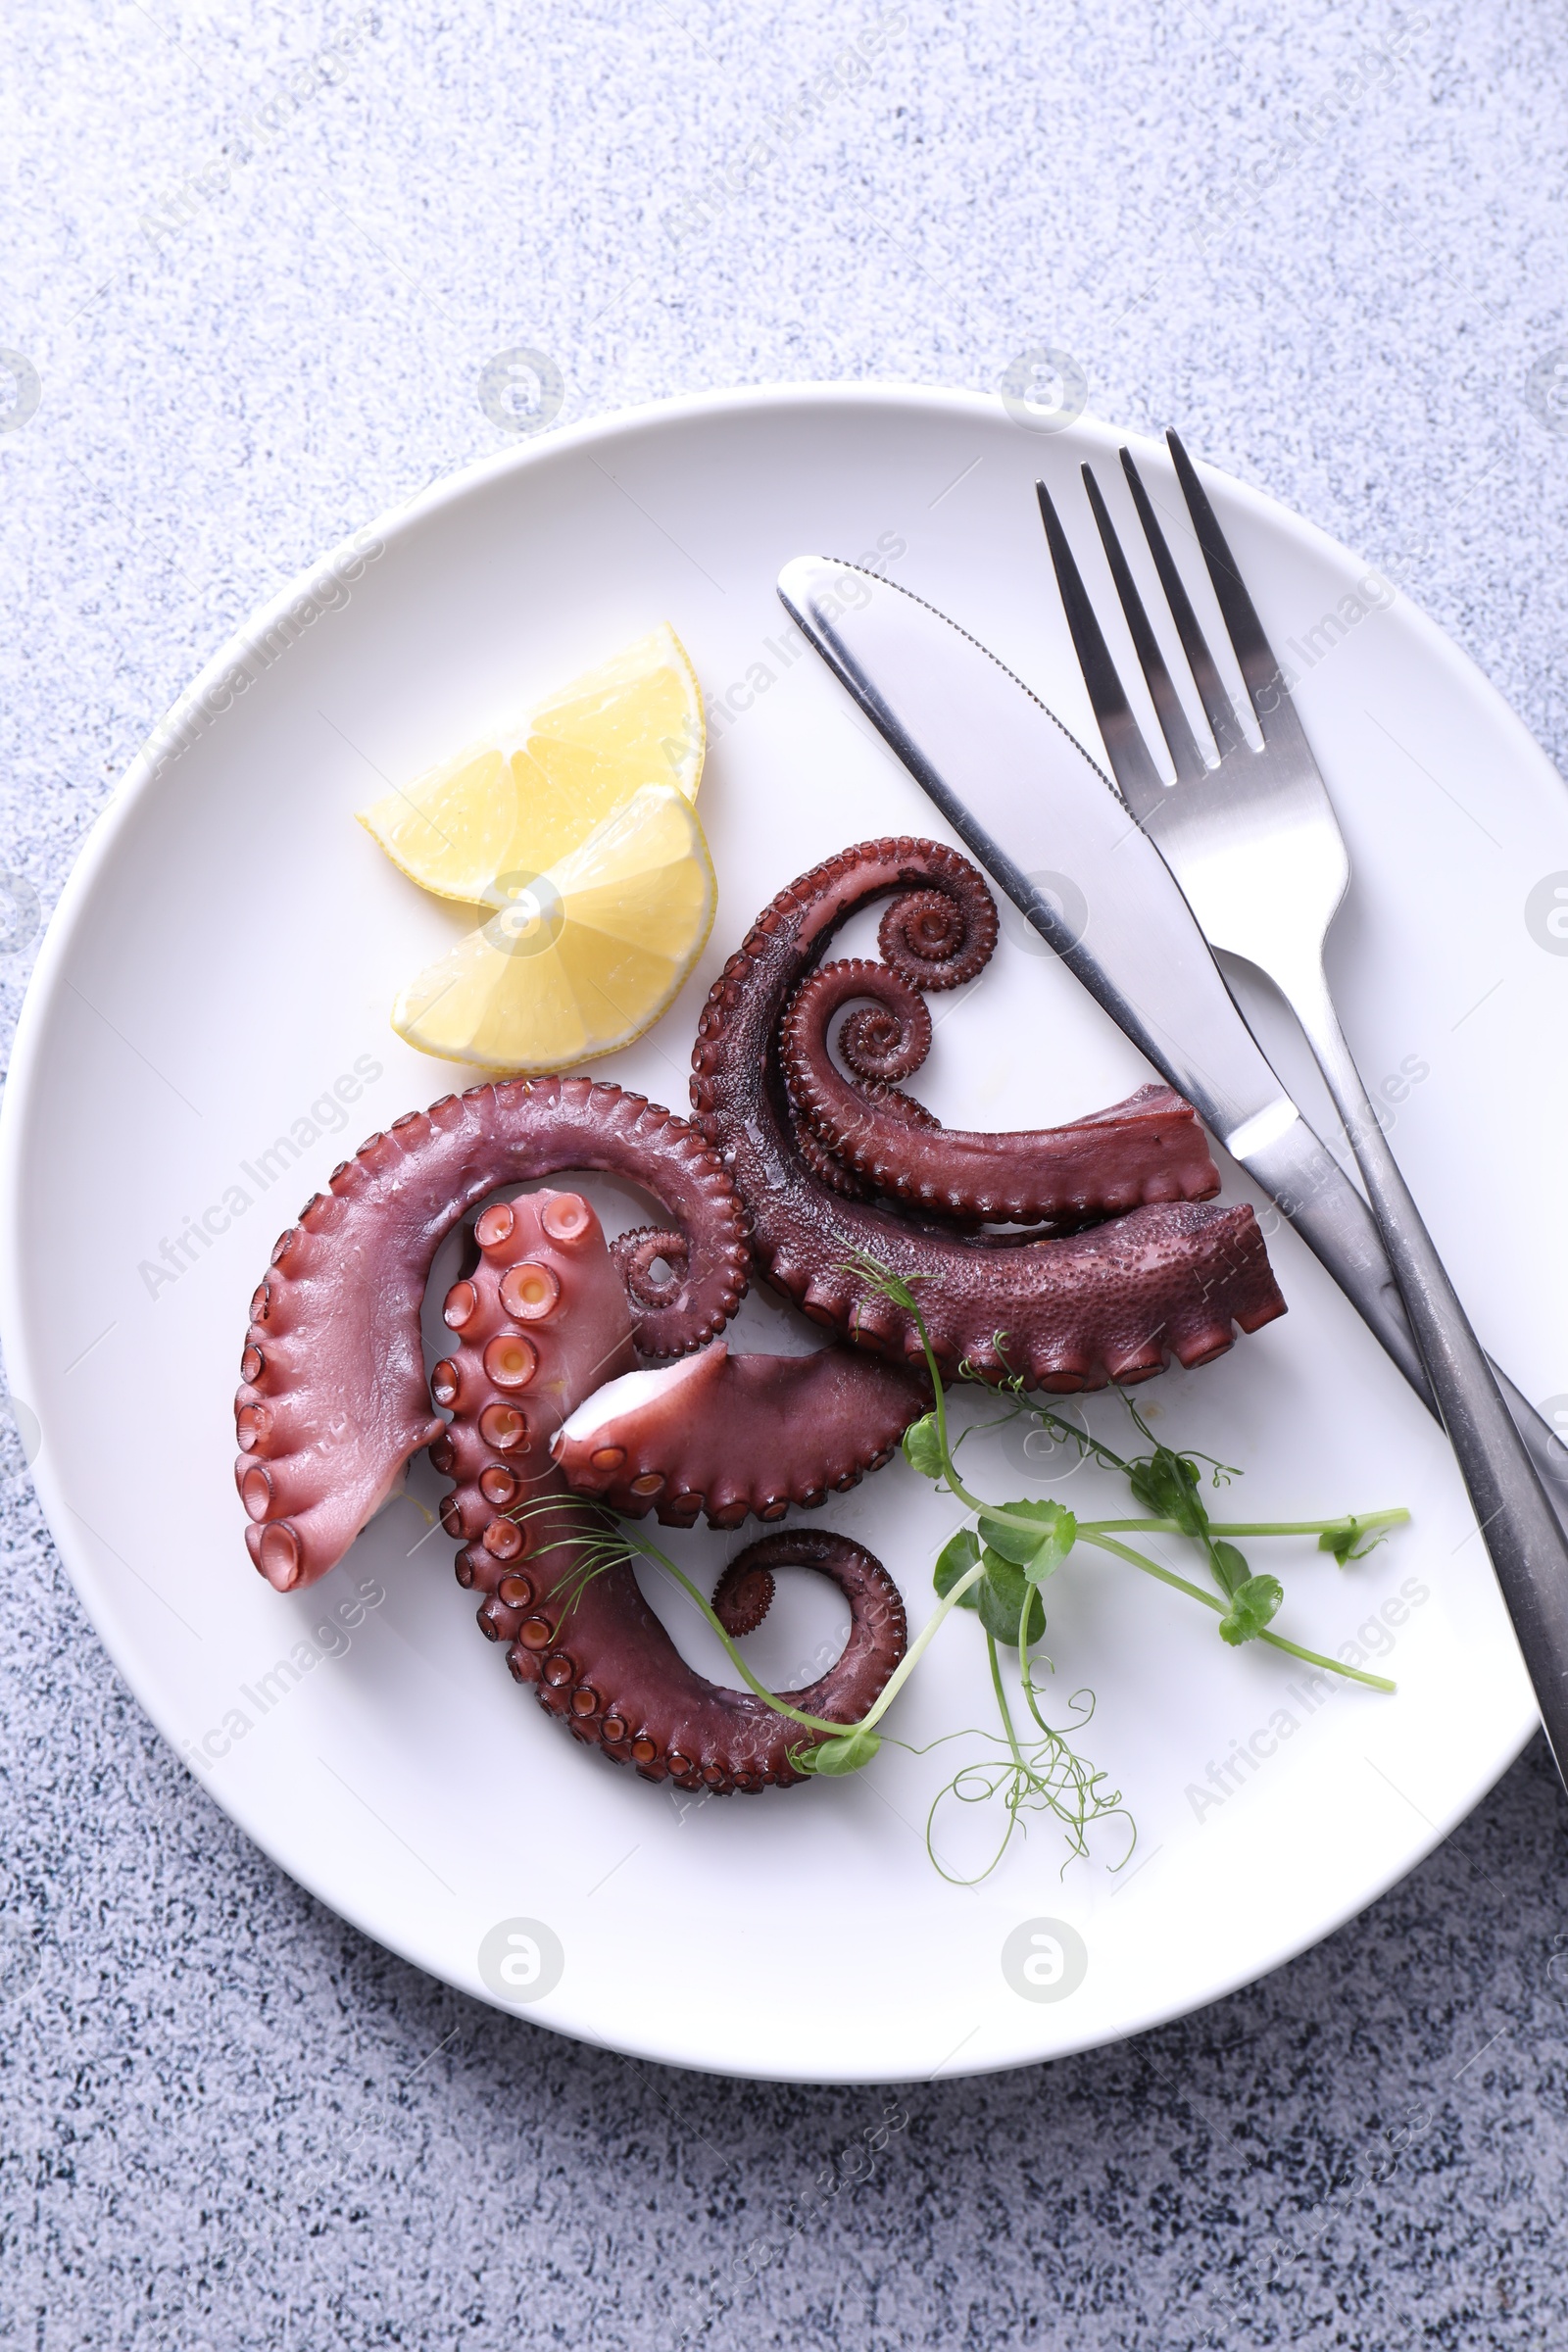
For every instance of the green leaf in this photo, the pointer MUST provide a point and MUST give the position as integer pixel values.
(955, 1560)
(1166, 1485)
(922, 1446)
(1345, 1542)
(1234, 1571)
(1004, 1591)
(1036, 1555)
(1252, 1604)
(1060, 1538)
(835, 1757)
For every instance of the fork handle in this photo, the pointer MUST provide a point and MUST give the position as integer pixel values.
(1310, 1188)
(1526, 1545)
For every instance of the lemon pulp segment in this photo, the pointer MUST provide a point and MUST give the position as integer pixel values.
(644, 708)
(523, 800)
(578, 959)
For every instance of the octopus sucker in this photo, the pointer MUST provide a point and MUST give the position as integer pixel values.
(1155, 1263)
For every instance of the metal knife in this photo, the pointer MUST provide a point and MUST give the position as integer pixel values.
(1025, 797)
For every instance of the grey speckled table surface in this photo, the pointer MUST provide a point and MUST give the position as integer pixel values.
(255, 264)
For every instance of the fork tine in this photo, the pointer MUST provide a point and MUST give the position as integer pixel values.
(1211, 686)
(1184, 751)
(1258, 663)
(1140, 780)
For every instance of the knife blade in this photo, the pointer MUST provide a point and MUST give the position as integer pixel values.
(1025, 797)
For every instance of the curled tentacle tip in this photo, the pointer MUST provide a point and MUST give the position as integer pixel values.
(939, 938)
(742, 1596)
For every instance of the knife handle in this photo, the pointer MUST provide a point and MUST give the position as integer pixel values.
(1305, 1180)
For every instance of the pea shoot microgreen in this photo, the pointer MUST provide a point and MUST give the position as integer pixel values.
(999, 1568)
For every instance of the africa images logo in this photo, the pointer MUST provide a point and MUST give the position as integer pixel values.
(1044, 1959)
(521, 1960)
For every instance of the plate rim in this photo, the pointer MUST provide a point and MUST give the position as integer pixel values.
(445, 491)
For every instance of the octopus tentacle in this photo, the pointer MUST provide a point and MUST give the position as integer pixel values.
(601, 1662)
(734, 1436)
(1150, 1147)
(333, 1399)
(531, 1322)
(1113, 1303)
(745, 1592)
(823, 1168)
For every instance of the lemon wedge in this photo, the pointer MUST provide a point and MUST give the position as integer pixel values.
(579, 958)
(523, 800)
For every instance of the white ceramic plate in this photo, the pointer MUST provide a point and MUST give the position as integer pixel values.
(222, 966)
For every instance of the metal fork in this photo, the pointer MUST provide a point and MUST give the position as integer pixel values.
(1256, 846)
